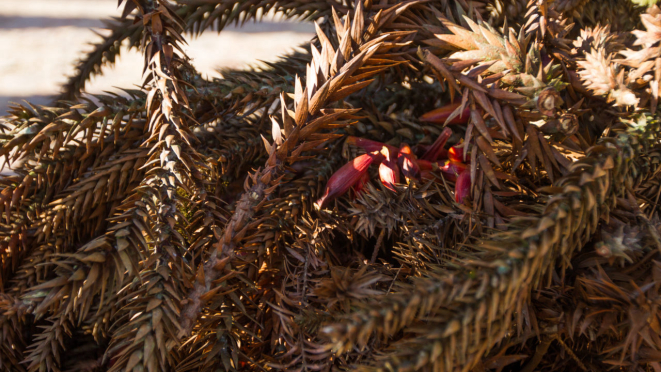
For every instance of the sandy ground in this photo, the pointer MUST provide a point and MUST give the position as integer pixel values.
(41, 39)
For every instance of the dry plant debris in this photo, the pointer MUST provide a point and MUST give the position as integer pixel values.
(431, 185)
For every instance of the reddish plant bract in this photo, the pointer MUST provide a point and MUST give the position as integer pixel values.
(369, 145)
(441, 114)
(456, 154)
(345, 177)
(462, 186)
(389, 174)
(433, 153)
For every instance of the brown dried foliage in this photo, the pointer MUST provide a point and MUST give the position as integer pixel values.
(174, 228)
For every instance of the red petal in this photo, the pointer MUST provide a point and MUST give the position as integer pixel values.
(441, 114)
(421, 149)
(424, 165)
(457, 154)
(462, 187)
(360, 185)
(389, 174)
(369, 145)
(405, 149)
(451, 170)
(434, 151)
(345, 177)
(408, 166)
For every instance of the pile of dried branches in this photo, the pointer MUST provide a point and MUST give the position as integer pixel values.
(447, 185)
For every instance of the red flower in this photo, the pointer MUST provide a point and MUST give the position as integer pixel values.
(456, 154)
(462, 186)
(388, 169)
(353, 175)
(389, 174)
(347, 176)
(441, 114)
(369, 145)
(433, 153)
(360, 185)
(407, 163)
(449, 169)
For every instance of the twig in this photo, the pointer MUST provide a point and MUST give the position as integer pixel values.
(541, 350)
(571, 353)
(377, 246)
(394, 279)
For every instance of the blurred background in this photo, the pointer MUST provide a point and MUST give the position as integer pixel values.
(40, 40)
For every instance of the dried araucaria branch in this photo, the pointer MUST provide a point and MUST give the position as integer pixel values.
(429, 185)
